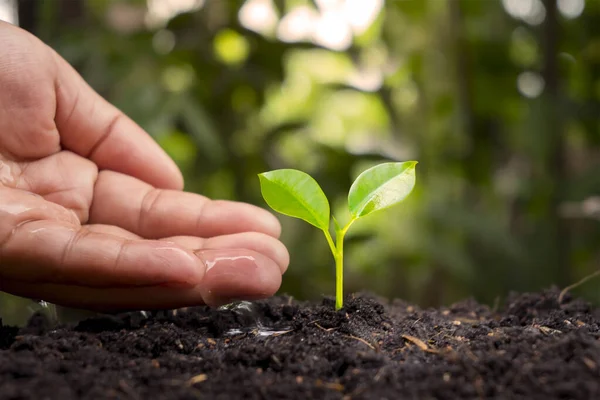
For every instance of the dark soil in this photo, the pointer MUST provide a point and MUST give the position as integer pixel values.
(533, 349)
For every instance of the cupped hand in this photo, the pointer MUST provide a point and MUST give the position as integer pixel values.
(92, 212)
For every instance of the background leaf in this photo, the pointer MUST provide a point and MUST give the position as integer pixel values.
(296, 194)
(381, 187)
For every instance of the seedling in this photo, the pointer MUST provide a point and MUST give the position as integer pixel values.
(297, 194)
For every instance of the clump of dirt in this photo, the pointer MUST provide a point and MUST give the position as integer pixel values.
(534, 348)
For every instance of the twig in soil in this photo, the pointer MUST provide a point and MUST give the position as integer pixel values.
(281, 333)
(576, 284)
(197, 379)
(327, 329)
(322, 328)
(361, 340)
(419, 343)
(547, 331)
(415, 322)
(238, 337)
(379, 374)
(330, 385)
(590, 364)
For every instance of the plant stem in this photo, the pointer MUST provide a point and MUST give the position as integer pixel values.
(339, 263)
(330, 242)
(339, 270)
(337, 250)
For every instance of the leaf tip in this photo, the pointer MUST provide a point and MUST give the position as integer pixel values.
(264, 175)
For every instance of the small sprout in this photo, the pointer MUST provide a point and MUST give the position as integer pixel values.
(296, 194)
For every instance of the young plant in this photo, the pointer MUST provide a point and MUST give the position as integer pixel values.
(297, 194)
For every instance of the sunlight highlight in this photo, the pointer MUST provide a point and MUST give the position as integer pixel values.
(333, 25)
(571, 8)
(161, 11)
(368, 80)
(333, 32)
(258, 16)
(360, 14)
(532, 12)
(298, 25)
(530, 84)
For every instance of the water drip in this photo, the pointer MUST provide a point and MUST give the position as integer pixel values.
(251, 312)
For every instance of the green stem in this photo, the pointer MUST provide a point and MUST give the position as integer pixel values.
(330, 242)
(338, 254)
(339, 270)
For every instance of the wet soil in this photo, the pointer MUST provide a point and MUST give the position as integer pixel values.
(533, 348)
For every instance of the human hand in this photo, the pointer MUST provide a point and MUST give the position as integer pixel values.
(91, 209)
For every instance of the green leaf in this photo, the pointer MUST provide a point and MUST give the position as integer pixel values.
(381, 187)
(296, 194)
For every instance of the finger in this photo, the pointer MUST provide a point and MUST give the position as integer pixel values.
(151, 213)
(42, 241)
(50, 251)
(105, 299)
(245, 276)
(95, 129)
(217, 289)
(259, 242)
(27, 96)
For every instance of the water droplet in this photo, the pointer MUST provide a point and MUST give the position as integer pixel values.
(251, 312)
(240, 307)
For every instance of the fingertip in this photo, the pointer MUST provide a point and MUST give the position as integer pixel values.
(229, 217)
(172, 178)
(255, 241)
(281, 255)
(265, 222)
(273, 225)
(238, 275)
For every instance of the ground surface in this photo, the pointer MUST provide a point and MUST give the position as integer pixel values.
(533, 349)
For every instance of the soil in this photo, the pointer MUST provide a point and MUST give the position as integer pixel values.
(533, 348)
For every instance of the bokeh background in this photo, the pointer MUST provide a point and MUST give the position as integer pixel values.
(498, 100)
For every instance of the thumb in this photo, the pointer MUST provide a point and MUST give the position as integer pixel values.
(95, 129)
(45, 106)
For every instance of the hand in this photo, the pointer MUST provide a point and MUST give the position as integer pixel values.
(91, 209)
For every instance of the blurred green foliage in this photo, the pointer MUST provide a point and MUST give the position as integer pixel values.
(498, 100)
